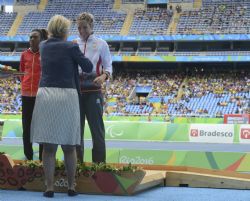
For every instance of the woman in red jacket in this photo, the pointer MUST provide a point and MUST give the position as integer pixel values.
(30, 65)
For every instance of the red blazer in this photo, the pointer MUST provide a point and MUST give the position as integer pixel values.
(30, 64)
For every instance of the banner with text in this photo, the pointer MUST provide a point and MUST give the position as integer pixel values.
(212, 133)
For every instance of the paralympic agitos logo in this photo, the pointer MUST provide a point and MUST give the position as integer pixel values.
(112, 132)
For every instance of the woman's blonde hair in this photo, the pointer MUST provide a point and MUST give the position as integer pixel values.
(58, 26)
(89, 18)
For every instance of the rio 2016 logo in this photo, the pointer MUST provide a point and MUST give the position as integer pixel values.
(62, 183)
(136, 160)
(112, 133)
(245, 133)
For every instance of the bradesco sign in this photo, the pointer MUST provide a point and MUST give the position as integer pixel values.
(213, 133)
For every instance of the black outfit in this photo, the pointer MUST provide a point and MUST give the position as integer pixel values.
(27, 111)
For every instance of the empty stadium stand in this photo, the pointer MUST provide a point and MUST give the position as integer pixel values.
(6, 22)
(150, 21)
(107, 20)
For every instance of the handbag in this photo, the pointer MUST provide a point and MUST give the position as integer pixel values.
(87, 81)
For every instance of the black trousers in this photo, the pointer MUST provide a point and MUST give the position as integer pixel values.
(91, 107)
(28, 104)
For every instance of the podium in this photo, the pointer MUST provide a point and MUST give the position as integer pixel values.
(126, 181)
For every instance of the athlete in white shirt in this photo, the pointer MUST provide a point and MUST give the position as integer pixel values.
(91, 100)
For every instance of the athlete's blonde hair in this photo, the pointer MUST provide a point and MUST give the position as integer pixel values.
(88, 17)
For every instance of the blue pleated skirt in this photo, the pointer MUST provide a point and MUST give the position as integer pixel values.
(56, 117)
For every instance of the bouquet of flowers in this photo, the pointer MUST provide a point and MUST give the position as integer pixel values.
(7, 71)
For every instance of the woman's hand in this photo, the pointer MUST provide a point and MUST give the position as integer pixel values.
(100, 79)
